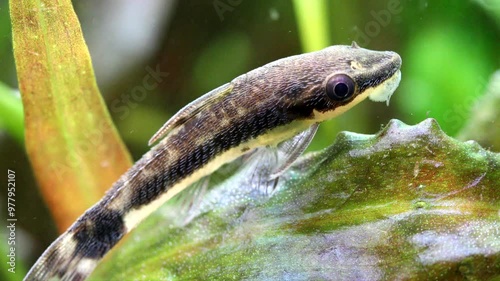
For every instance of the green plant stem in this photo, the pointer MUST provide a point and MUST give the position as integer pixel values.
(312, 24)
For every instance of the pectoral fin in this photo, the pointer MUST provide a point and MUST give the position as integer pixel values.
(289, 150)
(189, 200)
(190, 110)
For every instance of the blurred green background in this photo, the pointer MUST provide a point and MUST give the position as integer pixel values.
(449, 50)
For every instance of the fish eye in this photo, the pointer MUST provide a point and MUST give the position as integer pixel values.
(340, 87)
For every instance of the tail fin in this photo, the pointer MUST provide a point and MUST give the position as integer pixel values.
(75, 254)
(62, 261)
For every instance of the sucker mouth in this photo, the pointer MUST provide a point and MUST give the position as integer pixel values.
(391, 82)
(387, 88)
(389, 64)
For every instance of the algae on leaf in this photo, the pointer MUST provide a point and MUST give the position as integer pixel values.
(407, 203)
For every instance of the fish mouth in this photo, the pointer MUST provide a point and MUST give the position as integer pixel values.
(385, 90)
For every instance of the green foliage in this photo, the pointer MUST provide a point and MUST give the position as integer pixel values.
(11, 114)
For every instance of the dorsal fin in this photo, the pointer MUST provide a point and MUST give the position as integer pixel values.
(190, 110)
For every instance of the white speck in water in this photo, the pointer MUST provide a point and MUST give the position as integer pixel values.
(274, 14)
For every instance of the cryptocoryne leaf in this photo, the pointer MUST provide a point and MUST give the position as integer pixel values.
(407, 203)
(74, 149)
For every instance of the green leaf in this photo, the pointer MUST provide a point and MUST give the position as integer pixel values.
(11, 113)
(408, 202)
(74, 149)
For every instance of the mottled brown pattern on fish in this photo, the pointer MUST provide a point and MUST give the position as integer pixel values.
(281, 92)
(253, 105)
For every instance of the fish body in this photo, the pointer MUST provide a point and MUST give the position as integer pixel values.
(263, 107)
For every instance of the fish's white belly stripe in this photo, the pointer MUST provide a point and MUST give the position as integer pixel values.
(135, 216)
